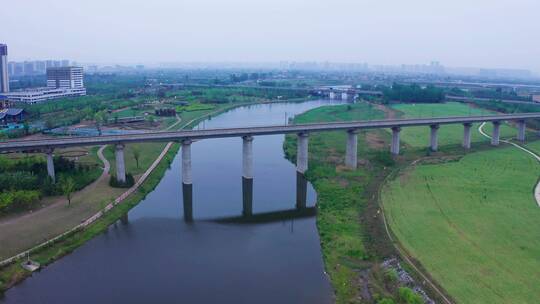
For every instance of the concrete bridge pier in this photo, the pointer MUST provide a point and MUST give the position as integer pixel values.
(395, 140)
(302, 153)
(521, 130)
(247, 176)
(120, 163)
(187, 186)
(186, 162)
(495, 138)
(351, 154)
(434, 142)
(467, 135)
(247, 157)
(50, 164)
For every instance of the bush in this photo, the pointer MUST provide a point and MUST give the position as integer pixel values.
(18, 180)
(130, 181)
(386, 301)
(408, 296)
(391, 275)
(18, 200)
(384, 158)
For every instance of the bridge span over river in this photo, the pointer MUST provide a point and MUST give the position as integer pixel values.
(186, 137)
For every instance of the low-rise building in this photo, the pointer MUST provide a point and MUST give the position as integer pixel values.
(61, 82)
(33, 96)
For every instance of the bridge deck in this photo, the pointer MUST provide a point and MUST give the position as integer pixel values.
(22, 145)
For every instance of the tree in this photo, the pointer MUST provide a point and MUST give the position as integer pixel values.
(68, 187)
(136, 155)
(100, 118)
(150, 119)
(26, 127)
(49, 124)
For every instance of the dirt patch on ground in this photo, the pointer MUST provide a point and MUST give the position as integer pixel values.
(389, 113)
(374, 141)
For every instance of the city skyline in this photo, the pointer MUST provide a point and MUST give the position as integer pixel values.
(380, 33)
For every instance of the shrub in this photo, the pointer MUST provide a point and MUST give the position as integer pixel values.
(384, 158)
(408, 296)
(391, 275)
(386, 301)
(18, 200)
(18, 180)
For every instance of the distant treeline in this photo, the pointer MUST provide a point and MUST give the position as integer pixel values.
(413, 93)
(505, 107)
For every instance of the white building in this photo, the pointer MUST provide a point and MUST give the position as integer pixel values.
(61, 82)
(65, 77)
(33, 96)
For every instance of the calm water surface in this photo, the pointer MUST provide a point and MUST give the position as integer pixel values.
(154, 256)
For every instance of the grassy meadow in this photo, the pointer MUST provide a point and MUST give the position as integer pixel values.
(472, 223)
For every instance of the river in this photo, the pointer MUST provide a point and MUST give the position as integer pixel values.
(154, 256)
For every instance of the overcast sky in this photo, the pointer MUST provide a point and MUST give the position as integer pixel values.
(478, 33)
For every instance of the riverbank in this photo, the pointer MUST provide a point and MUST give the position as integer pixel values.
(347, 219)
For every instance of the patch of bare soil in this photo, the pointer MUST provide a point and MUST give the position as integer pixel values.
(388, 112)
(374, 141)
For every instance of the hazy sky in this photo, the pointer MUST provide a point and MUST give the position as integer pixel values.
(480, 33)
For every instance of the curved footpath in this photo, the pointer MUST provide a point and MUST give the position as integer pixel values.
(536, 156)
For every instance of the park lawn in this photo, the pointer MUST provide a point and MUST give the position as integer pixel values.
(148, 154)
(448, 134)
(473, 224)
(129, 113)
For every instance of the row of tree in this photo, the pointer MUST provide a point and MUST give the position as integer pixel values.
(413, 93)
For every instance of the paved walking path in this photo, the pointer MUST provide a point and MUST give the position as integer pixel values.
(536, 156)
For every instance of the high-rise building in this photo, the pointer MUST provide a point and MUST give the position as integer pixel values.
(65, 77)
(4, 77)
(40, 67)
(29, 68)
(11, 68)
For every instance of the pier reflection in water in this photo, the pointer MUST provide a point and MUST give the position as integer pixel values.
(301, 209)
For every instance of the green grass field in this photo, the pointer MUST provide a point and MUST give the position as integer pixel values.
(448, 134)
(473, 224)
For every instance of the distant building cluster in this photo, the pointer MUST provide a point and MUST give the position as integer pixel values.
(62, 80)
(36, 67)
